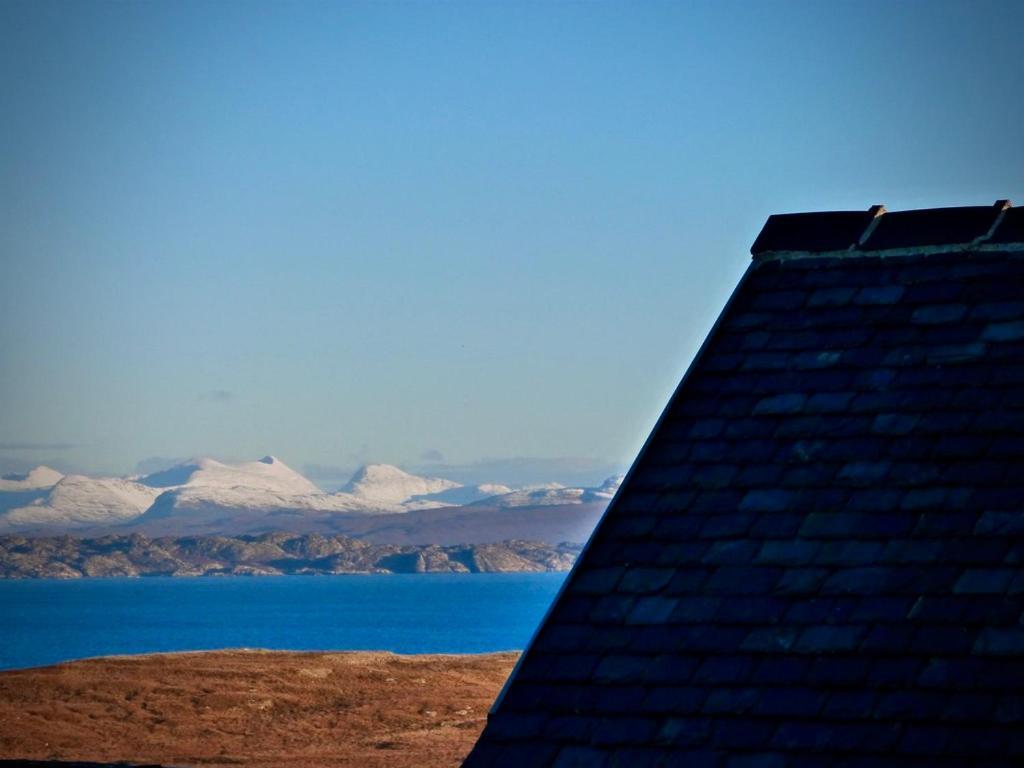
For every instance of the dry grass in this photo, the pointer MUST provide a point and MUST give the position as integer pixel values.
(252, 708)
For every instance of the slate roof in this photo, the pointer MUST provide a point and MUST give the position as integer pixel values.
(816, 559)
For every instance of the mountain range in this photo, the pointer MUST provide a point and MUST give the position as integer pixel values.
(381, 503)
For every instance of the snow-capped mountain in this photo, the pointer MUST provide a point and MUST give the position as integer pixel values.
(20, 490)
(552, 494)
(385, 485)
(76, 501)
(265, 494)
(40, 477)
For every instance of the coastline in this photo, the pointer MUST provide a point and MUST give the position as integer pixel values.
(269, 554)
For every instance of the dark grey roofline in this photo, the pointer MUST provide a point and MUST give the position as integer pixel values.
(877, 232)
(625, 482)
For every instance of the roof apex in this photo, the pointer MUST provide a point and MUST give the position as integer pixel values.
(877, 230)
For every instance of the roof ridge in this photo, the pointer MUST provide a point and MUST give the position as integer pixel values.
(879, 232)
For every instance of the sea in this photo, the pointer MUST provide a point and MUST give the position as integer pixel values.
(45, 621)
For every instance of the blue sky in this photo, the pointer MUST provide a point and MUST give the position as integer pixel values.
(437, 233)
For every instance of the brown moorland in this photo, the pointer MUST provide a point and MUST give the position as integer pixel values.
(252, 708)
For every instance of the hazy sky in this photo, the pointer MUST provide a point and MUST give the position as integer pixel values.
(428, 233)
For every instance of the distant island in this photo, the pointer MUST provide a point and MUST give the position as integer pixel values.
(268, 554)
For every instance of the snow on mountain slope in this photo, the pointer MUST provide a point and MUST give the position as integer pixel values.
(267, 474)
(78, 501)
(253, 485)
(386, 485)
(552, 494)
(40, 477)
(206, 494)
(605, 491)
(269, 484)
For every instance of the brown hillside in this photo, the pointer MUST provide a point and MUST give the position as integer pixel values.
(252, 708)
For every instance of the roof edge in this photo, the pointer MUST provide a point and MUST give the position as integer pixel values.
(622, 486)
(878, 232)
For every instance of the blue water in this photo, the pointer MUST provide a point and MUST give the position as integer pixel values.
(45, 621)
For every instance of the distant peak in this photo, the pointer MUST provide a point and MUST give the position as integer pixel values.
(40, 477)
(268, 460)
(378, 471)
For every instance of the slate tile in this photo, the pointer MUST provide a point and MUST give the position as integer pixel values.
(843, 670)
(621, 668)
(651, 610)
(984, 581)
(724, 670)
(716, 501)
(829, 402)
(731, 552)
(677, 700)
(714, 638)
(789, 702)
(909, 551)
(788, 552)
(573, 667)
(563, 637)
(776, 639)
(742, 733)
(671, 669)
(688, 581)
(830, 639)
(801, 581)
(767, 500)
(756, 760)
(998, 310)
(639, 757)
(945, 524)
(894, 423)
(620, 699)
(760, 609)
(855, 704)
(898, 672)
(684, 732)
(726, 526)
(611, 609)
(578, 757)
(864, 472)
(596, 581)
(515, 726)
(730, 700)
(778, 300)
(952, 354)
(758, 475)
(874, 499)
(781, 404)
(877, 379)
(999, 641)
(882, 608)
(974, 550)
(879, 295)
(889, 638)
(1010, 708)
(644, 580)
(695, 609)
(831, 297)
(775, 524)
(681, 527)
(994, 610)
(1009, 331)
(780, 670)
(968, 707)
(739, 580)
